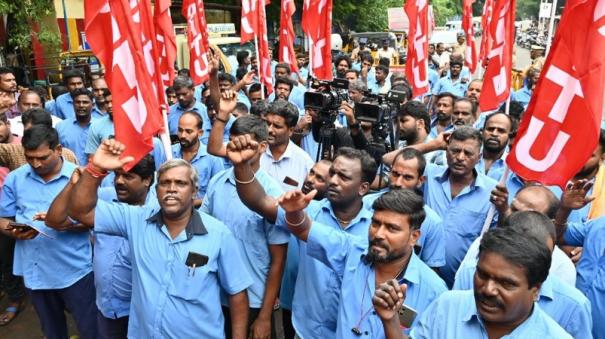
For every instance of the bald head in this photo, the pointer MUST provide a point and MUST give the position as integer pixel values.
(536, 198)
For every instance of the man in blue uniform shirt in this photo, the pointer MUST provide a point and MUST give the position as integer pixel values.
(73, 132)
(511, 269)
(64, 104)
(56, 266)
(182, 259)
(183, 87)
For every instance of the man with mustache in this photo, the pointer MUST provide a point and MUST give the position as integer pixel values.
(442, 121)
(64, 104)
(496, 135)
(183, 258)
(111, 259)
(511, 269)
(316, 296)
(190, 148)
(463, 113)
(73, 132)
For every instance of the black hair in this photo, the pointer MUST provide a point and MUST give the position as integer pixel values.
(169, 90)
(255, 87)
(42, 91)
(510, 119)
(532, 223)
(36, 116)
(464, 133)
(341, 58)
(250, 124)
(409, 153)
(285, 110)
(368, 164)
(284, 80)
(82, 91)
(241, 55)
(367, 57)
(28, 92)
(241, 72)
(260, 108)
(416, 110)
(386, 62)
(39, 135)
(106, 93)
(6, 70)
(602, 140)
(384, 69)
(528, 253)
(515, 110)
(183, 72)
(200, 121)
(57, 90)
(72, 73)
(350, 70)
(552, 200)
(182, 82)
(226, 77)
(145, 168)
(241, 107)
(448, 95)
(285, 66)
(403, 201)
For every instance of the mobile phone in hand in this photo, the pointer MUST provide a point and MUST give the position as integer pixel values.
(406, 316)
(21, 227)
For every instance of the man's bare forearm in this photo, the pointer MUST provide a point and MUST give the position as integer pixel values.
(238, 309)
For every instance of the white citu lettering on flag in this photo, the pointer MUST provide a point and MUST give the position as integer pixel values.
(286, 35)
(121, 35)
(561, 126)
(497, 78)
(197, 39)
(418, 13)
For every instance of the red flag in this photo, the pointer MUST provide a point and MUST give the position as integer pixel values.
(317, 24)
(486, 41)
(166, 46)
(560, 128)
(197, 39)
(418, 44)
(286, 35)
(497, 78)
(121, 35)
(470, 58)
(249, 23)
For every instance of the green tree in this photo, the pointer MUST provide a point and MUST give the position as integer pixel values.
(21, 15)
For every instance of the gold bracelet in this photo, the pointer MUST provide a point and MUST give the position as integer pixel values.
(245, 182)
(296, 225)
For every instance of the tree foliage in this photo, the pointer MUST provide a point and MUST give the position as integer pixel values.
(21, 15)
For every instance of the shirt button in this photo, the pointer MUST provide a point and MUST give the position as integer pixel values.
(374, 312)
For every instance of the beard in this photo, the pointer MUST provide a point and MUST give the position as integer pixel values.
(493, 147)
(375, 258)
(408, 136)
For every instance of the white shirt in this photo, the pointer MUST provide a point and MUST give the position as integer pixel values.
(17, 124)
(386, 54)
(294, 163)
(561, 266)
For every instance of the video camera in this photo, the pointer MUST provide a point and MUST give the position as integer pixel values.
(328, 98)
(381, 112)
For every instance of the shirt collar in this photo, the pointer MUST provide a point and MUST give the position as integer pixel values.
(195, 226)
(479, 181)
(201, 151)
(287, 153)
(66, 171)
(546, 290)
(364, 213)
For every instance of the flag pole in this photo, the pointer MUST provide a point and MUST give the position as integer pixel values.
(310, 56)
(492, 209)
(165, 136)
(551, 25)
(260, 75)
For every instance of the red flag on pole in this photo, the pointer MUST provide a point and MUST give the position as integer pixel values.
(486, 19)
(416, 69)
(166, 46)
(249, 23)
(497, 78)
(121, 35)
(560, 129)
(286, 35)
(197, 39)
(470, 58)
(317, 23)
(254, 24)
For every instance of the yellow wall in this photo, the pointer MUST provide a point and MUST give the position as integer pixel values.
(75, 8)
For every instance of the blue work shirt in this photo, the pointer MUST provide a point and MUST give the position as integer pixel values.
(454, 315)
(522, 95)
(317, 291)
(206, 165)
(297, 97)
(64, 106)
(112, 265)
(253, 233)
(175, 111)
(446, 84)
(463, 216)
(45, 263)
(96, 113)
(591, 267)
(430, 247)
(345, 254)
(514, 184)
(226, 131)
(564, 303)
(74, 136)
(100, 130)
(435, 132)
(169, 298)
(495, 170)
(51, 107)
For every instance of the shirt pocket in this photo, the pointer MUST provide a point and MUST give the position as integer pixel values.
(189, 284)
(465, 222)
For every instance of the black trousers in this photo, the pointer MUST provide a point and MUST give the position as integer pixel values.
(10, 283)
